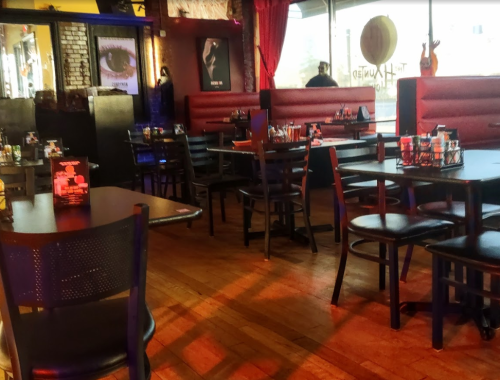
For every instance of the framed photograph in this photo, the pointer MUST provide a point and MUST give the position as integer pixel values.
(179, 129)
(118, 63)
(214, 64)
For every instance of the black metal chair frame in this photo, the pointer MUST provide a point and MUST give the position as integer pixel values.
(471, 287)
(141, 170)
(70, 275)
(207, 173)
(172, 163)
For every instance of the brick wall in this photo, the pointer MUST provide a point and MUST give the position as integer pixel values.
(75, 54)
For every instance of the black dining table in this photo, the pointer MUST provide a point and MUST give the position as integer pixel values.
(36, 214)
(354, 126)
(481, 167)
(338, 143)
(322, 155)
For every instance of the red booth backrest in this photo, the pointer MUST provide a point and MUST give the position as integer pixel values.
(216, 106)
(467, 104)
(302, 105)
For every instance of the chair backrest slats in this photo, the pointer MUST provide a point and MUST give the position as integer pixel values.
(205, 162)
(285, 164)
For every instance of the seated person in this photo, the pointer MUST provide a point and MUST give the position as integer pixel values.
(322, 79)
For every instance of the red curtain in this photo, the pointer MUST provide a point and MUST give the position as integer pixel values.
(273, 17)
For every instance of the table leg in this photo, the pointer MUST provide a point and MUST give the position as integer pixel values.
(473, 227)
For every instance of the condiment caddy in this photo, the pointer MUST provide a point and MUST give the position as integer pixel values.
(425, 151)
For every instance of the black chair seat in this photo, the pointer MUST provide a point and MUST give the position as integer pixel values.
(395, 227)
(227, 181)
(456, 212)
(274, 191)
(389, 185)
(483, 252)
(69, 342)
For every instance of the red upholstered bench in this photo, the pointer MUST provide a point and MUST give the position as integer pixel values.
(303, 105)
(216, 106)
(468, 104)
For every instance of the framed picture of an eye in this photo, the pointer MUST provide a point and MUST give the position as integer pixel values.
(118, 63)
(214, 64)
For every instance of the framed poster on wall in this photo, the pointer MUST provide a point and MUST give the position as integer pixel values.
(214, 64)
(118, 63)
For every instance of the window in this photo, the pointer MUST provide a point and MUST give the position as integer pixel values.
(306, 44)
(351, 69)
(26, 60)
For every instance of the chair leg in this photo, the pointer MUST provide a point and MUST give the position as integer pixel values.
(165, 189)
(267, 239)
(278, 207)
(292, 220)
(143, 186)
(307, 222)
(152, 182)
(340, 273)
(394, 286)
(336, 217)
(210, 213)
(495, 304)
(437, 302)
(382, 253)
(406, 264)
(174, 187)
(252, 206)
(134, 182)
(222, 195)
(246, 220)
(459, 277)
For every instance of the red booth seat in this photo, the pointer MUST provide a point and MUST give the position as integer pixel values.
(302, 105)
(216, 106)
(467, 104)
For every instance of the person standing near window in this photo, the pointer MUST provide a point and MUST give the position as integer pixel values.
(167, 108)
(322, 79)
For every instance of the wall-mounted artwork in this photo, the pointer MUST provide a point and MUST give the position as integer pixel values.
(214, 64)
(118, 63)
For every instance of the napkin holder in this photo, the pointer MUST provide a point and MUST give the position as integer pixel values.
(363, 114)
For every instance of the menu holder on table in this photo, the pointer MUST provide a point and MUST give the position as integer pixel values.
(258, 127)
(70, 182)
(52, 148)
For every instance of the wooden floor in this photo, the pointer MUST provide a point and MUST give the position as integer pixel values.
(222, 312)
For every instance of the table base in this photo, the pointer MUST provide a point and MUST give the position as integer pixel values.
(300, 234)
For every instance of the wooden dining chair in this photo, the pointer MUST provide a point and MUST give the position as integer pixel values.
(390, 230)
(81, 333)
(358, 187)
(284, 173)
(207, 174)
